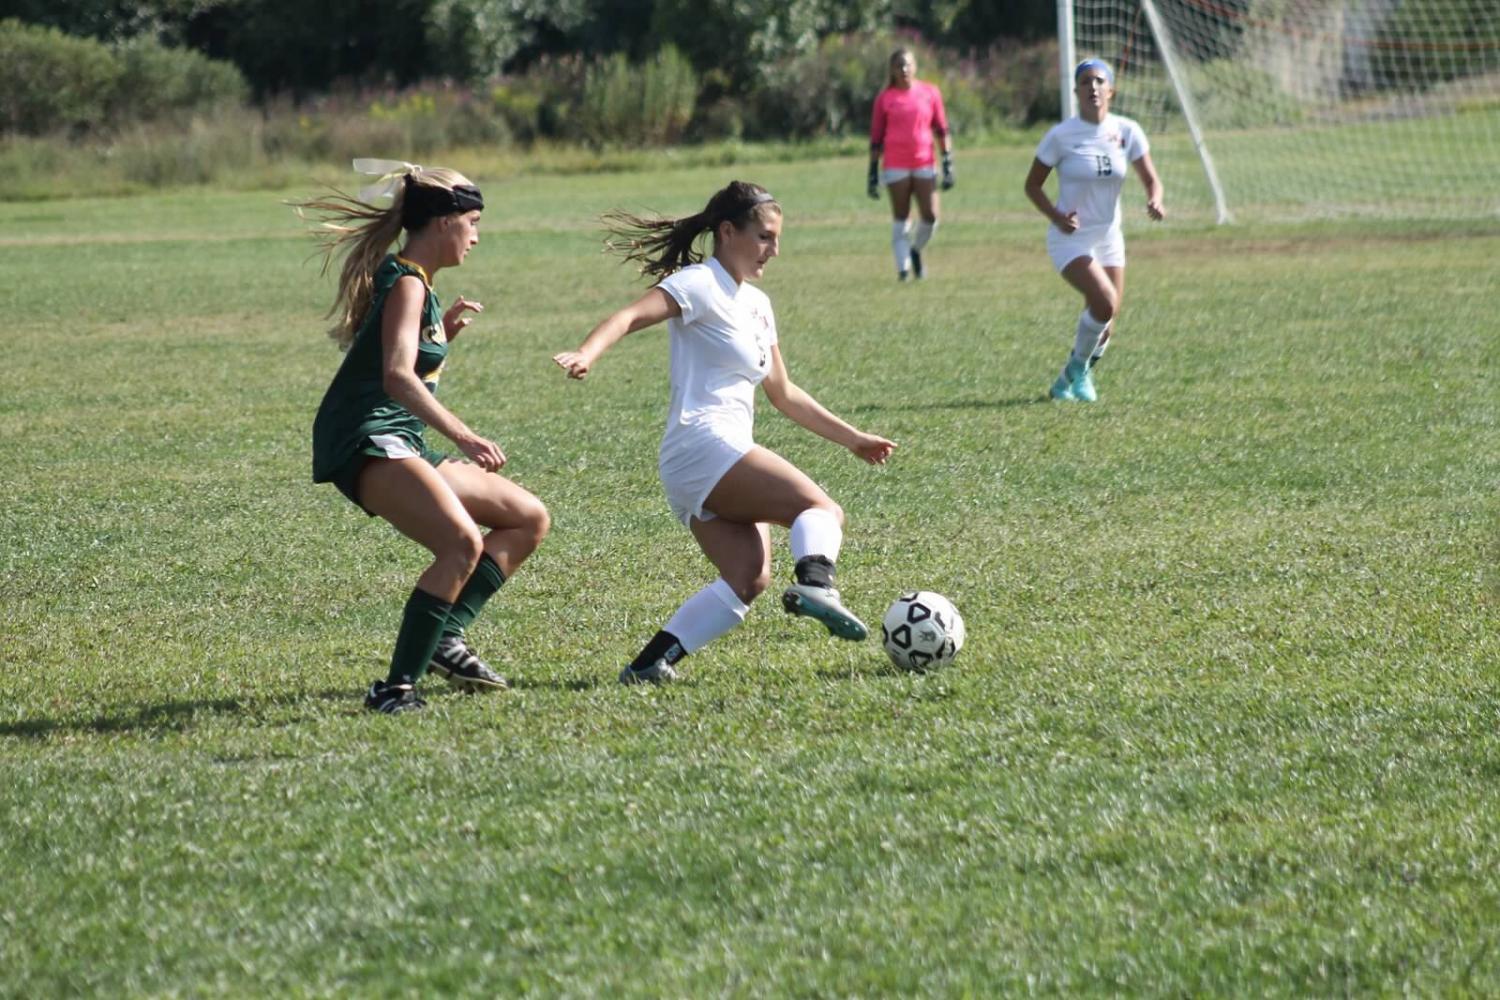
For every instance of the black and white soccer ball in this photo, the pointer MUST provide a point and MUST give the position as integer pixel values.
(922, 631)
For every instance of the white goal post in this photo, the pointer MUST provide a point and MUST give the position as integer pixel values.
(1296, 109)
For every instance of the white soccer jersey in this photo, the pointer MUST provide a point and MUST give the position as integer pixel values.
(721, 350)
(1091, 163)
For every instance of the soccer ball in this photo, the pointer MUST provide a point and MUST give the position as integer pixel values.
(922, 631)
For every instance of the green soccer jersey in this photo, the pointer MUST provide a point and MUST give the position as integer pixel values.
(356, 404)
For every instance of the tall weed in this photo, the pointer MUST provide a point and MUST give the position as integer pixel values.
(648, 103)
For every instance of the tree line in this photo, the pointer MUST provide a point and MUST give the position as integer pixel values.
(295, 48)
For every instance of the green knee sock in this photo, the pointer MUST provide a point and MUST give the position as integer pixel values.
(421, 627)
(481, 587)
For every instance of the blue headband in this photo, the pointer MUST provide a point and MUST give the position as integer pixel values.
(1098, 64)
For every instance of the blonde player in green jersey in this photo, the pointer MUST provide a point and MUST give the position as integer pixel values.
(368, 435)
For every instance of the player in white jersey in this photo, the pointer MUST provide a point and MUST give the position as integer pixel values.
(1090, 152)
(727, 489)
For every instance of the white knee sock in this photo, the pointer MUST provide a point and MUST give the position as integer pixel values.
(816, 532)
(900, 245)
(924, 233)
(1087, 336)
(707, 615)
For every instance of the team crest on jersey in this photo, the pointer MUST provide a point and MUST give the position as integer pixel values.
(762, 335)
(435, 334)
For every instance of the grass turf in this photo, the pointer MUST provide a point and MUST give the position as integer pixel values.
(1226, 722)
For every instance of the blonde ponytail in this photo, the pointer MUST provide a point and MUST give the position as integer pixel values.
(363, 234)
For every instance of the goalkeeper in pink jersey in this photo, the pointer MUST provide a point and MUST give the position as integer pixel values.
(908, 114)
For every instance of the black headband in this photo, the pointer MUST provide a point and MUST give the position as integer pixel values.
(425, 202)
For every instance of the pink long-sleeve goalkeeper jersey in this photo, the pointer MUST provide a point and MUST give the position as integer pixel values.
(903, 123)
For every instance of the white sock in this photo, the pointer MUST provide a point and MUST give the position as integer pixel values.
(816, 532)
(924, 233)
(707, 615)
(900, 245)
(1087, 336)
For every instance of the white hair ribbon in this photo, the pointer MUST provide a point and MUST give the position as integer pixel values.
(392, 174)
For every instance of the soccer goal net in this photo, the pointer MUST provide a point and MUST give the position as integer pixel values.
(1277, 109)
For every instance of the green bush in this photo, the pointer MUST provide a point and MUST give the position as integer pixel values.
(831, 91)
(157, 82)
(51, 82)
(828, 91)
(543, 102)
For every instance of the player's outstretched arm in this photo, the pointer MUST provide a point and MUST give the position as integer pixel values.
(801, 408)
(648, 310)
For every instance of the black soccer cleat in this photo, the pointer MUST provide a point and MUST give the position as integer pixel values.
(456, 662)
(658, 673)
(917, 268)
(393, 699)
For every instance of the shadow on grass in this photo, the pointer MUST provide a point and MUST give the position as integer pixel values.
(879, 671)
(167, 716)
(952, 404)
(563, 684)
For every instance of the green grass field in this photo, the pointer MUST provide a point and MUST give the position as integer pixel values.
(1228, 722)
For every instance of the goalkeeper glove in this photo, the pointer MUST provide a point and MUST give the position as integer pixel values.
(947, 170)
(872, 183)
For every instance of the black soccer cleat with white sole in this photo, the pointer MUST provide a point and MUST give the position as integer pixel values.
(456, 662)
(810, 600)
(393, 699)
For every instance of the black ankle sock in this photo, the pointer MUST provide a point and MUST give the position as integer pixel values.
(815, 570)
(663, 646)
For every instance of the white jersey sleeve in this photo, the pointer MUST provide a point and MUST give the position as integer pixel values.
(1049, 150)
(693, 289)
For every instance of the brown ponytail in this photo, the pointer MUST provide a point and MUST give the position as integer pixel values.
(663, 246)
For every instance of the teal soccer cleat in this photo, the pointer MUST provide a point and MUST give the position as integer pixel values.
(822, 604)
(1065, 389)
(1083, 386)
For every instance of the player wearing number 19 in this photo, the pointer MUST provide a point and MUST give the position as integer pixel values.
(1089, 152)
(368, 435)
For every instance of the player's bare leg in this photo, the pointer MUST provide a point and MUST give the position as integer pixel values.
(762, 486)
(900, 193)
(1074, 384)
